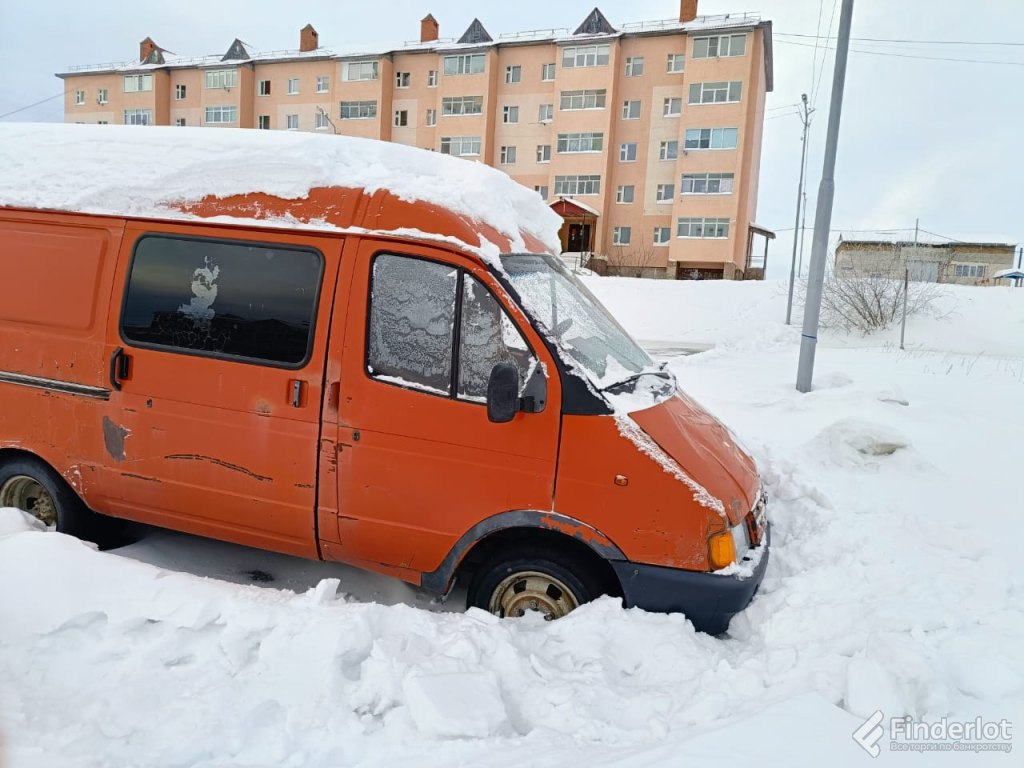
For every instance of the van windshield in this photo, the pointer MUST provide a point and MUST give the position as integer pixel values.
(573, 317)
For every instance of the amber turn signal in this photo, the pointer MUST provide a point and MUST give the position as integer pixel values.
(621, 480)
(721, 550)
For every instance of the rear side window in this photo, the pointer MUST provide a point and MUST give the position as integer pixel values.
(223, 298)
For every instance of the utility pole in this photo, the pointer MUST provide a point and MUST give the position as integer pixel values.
(823, 214)
(906, 285)
(803, 228)
(805, 118)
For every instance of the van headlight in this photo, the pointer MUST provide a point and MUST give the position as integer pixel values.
(741, 541)
(728, 547)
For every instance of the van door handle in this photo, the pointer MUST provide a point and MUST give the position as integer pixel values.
(297, 387)
(120, 368)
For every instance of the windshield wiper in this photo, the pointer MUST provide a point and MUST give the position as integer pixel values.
(619, 386)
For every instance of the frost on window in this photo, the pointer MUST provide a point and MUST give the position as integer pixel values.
(412, 318)
(223, 298)
(487, 337)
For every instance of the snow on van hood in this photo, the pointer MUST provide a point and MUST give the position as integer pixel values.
(149, 170)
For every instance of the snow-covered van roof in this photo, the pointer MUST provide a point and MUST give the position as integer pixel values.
(267, 178)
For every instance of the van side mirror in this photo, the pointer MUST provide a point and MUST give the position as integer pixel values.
(503, 393)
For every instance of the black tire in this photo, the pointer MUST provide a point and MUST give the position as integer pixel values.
(572, 581)
(21, 481)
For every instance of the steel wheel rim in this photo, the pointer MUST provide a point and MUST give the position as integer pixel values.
(532, 590)
(28, 494)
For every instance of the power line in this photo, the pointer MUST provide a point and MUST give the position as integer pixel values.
(913, 56)
(817, 35)
(22, 109)
(900, 40)
(828, 36)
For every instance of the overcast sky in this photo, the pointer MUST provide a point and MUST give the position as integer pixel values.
(921, 137)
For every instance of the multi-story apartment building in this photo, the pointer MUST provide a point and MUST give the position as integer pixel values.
(645, 138)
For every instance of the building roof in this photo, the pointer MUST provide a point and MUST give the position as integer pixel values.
(853, 244)
(168, 172)
(595, 26)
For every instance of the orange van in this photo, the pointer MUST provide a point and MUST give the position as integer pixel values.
(355, 351)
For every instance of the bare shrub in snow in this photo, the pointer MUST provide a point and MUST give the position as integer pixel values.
(868, 296)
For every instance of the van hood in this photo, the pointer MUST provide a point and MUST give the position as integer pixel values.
(704, 449)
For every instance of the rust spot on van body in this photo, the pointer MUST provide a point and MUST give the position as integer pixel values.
(580, 531)
(113, 439)
(219, 463)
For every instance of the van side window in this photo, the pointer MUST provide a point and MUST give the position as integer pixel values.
(223, 298)
(412, 322)
(487, 337)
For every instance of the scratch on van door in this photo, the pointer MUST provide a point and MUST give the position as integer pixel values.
(113, 438)
(219, 463)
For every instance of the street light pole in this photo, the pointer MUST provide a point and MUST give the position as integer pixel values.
(805, 118)
(823, 213)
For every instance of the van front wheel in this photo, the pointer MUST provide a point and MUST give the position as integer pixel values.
(541, 579)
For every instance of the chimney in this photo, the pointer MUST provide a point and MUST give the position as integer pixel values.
(429, 29)
(687, 10)
(146, 48)
(309, 40)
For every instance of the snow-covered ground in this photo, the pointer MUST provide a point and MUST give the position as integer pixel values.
(896, 584)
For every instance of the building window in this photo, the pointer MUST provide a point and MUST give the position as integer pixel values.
(510, 114)
(722, 45)
(432, 79)
(627, 153)
(624, 194)
(969, 270)
(293, 86)
(220, 115)
(138, 83)
(631, 110)
(672, 108)
(138, 117)
(465, 64)
(179, 92)
(102, 122)
(706, 184)
(577, 185)
(462, 146)
(462, 105)
(580, 142)
(221, 78)
(513, 74)
(323, 83)
(179, 121)
(585, 56)
(676, 62)
(403, 79)
(546, 113)
(101, 96)
(431, 117)
(547, 72)
(621, 235)
(320, 121)
(669, 150)
(662, 235)
(79, 98)
(263, 122)
(716, 93)
(292, 122)
(361, 70)
(665, 193)
(358, 110)
(542, 190)
(634, 66)
(401, 118)
(710, 138)
(703, 228)
(508, 155)
(586, 99)
(264, 89)
(257, 287)
(543, 153)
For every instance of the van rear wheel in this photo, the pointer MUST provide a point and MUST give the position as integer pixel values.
(540, 579)
(30, 485)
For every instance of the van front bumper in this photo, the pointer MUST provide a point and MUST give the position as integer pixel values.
(709, 600)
